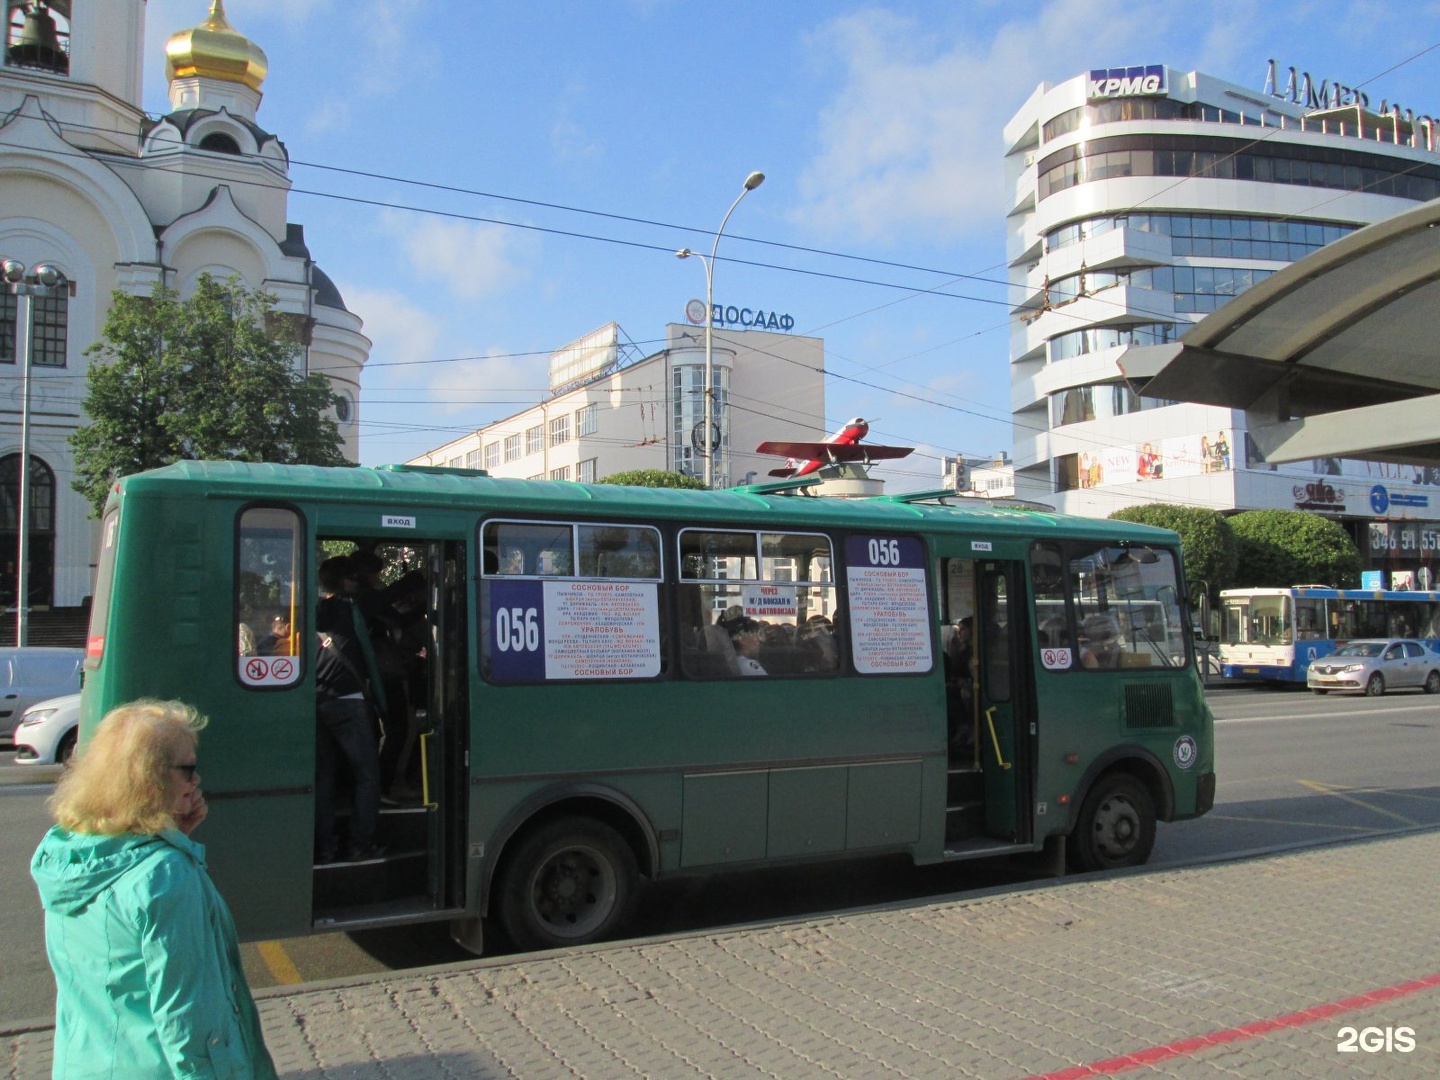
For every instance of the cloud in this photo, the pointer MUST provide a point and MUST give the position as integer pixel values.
(409, 355)
(473, 260)
(399, 331)
(909, 146)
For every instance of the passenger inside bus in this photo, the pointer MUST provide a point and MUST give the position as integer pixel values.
(746, 637)
(1100, 647)
(960, 680)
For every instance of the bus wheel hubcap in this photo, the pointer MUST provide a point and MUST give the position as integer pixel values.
(1117, 827)
(573, 892)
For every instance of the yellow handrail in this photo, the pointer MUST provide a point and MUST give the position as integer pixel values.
(990, 719)
(425, 773)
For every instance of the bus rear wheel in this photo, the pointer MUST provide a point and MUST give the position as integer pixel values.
(1116, 827)
(570, 882)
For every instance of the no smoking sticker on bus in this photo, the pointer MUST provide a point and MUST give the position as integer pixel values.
(268, 670)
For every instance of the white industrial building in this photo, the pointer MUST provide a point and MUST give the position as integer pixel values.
(611, 410)
(1142, 199)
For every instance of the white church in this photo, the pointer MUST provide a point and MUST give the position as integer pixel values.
(115, 199)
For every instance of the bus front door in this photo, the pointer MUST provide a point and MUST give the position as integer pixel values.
(1001, 750)
(418, 622)
(986, 706)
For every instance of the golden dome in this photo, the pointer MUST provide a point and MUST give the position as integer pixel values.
(215, 50)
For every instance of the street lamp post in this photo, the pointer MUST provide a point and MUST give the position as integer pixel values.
(713, 442)
(41, 281)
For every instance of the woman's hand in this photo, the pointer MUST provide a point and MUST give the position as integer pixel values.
(189, 819)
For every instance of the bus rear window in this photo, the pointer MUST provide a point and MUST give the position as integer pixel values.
(269, 605)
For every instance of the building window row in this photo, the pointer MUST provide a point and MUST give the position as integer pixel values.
(512, 448)
(492, 454)
(1224, 235)
(1121, 109)
(1195, 288)
(1100, 401)
(1097, 338)
(1234, 159)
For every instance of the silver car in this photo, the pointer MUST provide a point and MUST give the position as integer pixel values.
(1374, 665)
(32, 674)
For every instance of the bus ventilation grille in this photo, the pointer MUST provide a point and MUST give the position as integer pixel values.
(1149, 706)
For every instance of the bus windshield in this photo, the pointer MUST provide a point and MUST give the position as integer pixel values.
(1257, 620)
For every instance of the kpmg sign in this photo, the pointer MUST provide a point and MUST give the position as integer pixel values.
(1127, 82)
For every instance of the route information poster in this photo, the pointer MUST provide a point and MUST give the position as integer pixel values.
(889, 608)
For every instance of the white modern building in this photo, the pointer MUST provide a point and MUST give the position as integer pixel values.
(118, 200)
(1143, 198)
(612, 411)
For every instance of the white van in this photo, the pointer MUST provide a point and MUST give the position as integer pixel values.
(31, 675)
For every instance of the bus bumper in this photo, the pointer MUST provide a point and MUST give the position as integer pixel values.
(1204, 793)
(1260, 673)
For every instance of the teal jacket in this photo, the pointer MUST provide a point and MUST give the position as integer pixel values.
(147, 966)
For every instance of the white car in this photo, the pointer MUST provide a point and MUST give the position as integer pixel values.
(47, 731)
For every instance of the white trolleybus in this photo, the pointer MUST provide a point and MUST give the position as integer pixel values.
(1272, 635)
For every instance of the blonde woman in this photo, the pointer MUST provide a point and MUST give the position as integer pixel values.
(147, 968)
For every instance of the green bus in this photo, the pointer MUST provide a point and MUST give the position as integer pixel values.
(622, 684)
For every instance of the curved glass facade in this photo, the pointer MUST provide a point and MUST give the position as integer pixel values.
(1236, 159)
(1098, 401)
(1096, 338)
(1230, 236)
(1195, 288)
(1110, 112)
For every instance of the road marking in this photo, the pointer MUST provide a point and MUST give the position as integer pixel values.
(1212, 816)
(1142, 1059)
(278, 961)
(1431, 708)
(1340, 793)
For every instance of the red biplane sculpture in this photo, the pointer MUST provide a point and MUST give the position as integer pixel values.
(804, 458)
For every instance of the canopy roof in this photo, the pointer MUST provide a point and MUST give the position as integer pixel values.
(1336, 355)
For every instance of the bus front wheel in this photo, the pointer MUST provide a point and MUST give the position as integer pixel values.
(1116, 827)
(569, 882)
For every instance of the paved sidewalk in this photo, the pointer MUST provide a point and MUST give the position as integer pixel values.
(1248, 969)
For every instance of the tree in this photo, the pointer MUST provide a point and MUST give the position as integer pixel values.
(657, 478)
(1207, 543)
(209, 377)
(1289, 547)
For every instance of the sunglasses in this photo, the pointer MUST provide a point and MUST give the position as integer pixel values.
(188, 770)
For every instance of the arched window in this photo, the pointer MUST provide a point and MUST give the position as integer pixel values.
(42, 494)
(220, 143)
(40, 523)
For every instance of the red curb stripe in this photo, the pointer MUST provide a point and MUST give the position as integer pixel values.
(1252, 1030)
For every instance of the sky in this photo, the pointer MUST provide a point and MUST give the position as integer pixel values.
(487, 181)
